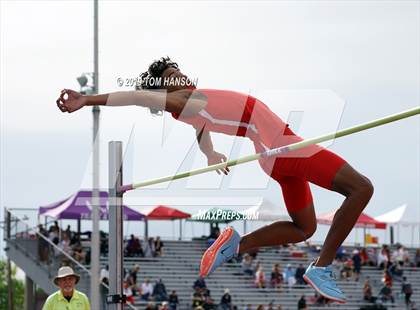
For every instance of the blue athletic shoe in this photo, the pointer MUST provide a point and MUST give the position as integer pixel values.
(222, 250)
(322, 280)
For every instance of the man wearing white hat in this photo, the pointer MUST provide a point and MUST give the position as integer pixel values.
(67, 298)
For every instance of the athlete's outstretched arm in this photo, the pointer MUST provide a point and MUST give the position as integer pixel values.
(71, 101)
(206, 146)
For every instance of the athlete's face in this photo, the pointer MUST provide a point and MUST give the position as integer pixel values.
(173, 80)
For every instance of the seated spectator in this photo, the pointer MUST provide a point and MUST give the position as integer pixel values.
(64, 244)
(417, 258)
(132, 278)
(383, 257)
(69, 232)
(246, 265)
(386, 293)
(302, 303)
(340, 254)
(146, 290)
(43, 245)
(400, 255)
(357, 264)
(346, 269)
(159, 291)
(158, 247)
(260, 278)
(149, 247)
(164, 306)
(133, 247)
(200, 285)
(319, 300)
(226, 300)
(79, 254)
(276, 276)
(300, 271)
(289, 275)
(260, 307)
(248, 307)
(197, 300)
(173, 301)
(407, 291)
(128, 292)
(387, 277)
(367, 291)
(396, 272)
(151, 306)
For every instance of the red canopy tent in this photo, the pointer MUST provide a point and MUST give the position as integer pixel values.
(364, 221)
(161, 212)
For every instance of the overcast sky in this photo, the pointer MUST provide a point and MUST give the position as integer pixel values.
(340, 62)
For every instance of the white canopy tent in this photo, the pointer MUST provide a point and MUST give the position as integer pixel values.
(266, 211)
(398, 217)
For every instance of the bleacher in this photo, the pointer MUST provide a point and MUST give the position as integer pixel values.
(179, 266)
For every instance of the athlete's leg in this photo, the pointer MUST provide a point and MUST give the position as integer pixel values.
(358, 190)
(298, 199)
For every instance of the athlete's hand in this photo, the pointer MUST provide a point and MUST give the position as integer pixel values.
(70, 101)
(217, 158)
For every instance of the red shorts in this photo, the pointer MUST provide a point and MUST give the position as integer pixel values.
(294, 174)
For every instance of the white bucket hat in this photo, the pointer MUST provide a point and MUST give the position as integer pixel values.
(65, 272)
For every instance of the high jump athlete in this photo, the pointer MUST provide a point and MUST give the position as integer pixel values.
(234, 113)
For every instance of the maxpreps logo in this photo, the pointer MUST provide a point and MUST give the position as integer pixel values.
(224, 215)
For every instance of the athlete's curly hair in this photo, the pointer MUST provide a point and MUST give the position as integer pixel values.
(154, 73)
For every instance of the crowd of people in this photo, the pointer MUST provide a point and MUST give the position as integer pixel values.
(150, 247)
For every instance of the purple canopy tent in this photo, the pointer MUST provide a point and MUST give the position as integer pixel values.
(79, 207)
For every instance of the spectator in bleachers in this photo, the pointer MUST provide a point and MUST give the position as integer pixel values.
(319, 300)
(79, 254)
(260, 281)
(396, 272)
(158, 247)
(399, 255)
(357, 264)
(164, 306)
(69, 232)
(64, 244)
(43, 245)
(133, 247)
(246, 265)
(200, 285)
(340, 254)
(270, 306)
(302, 303)
(149, 247)
(159, 291)
(128, 292)
(407, 290)
(383, 257)
(260, 307)
(276, 276)
(385, 293)
(173, 300)
(248, 307)
(131, 278)
(279, 307)
(300, 271)
(367, 291)
(226, 300)
(146, 289)
(151, 306)
(289, 275)
(417, 258)
(346, 269)
(197, 300)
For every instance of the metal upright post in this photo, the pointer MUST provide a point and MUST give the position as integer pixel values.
(115, 254)
(95, 237)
